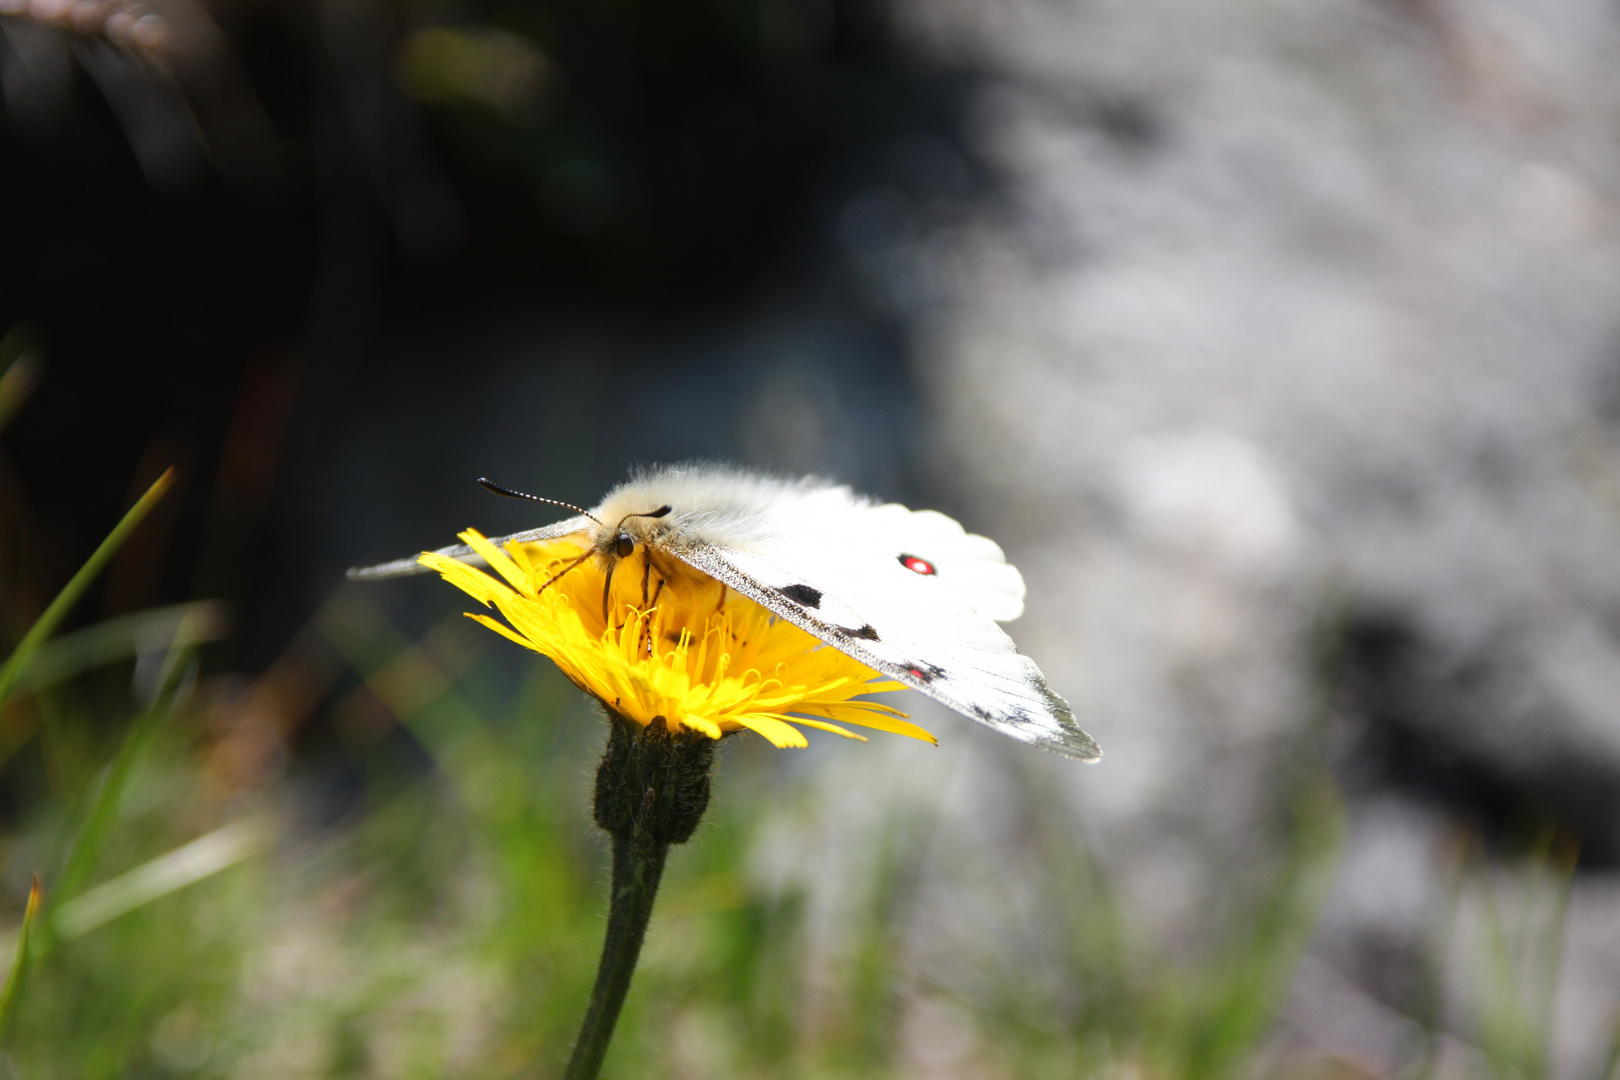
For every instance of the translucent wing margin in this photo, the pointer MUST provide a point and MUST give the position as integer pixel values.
(408, 566)
(958, 657)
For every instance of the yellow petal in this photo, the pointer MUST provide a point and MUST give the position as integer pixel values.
(824, 726)
(714, 661)
(498, 560)
(698, 723)
(473, 582)
(780, 735)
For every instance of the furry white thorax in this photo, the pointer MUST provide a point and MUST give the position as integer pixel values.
(716, 504)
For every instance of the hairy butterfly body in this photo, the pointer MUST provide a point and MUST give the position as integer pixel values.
(909, 593)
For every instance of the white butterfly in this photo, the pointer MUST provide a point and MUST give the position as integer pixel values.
(906, 592)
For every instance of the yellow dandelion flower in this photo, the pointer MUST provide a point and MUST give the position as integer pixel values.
(666, 642)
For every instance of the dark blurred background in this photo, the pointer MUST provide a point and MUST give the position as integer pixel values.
(336, 262)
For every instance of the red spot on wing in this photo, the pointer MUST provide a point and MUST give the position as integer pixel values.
(918, 565)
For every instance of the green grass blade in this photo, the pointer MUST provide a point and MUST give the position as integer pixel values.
(11, 673)
(81, 858)
(1611, 1061)
(153, 880)
(1251, 983)
(19, 962)
(86, 847)
(19, 369)
(16, 384)
(114, 639)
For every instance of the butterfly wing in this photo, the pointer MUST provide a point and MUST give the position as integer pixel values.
(911, 595)
(407, 566)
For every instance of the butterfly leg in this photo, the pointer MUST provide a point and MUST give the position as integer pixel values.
(552, 579)
(647, 603)
(607, 592)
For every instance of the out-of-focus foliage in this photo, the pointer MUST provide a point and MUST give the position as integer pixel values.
(450, 926)
(447, 926)
(304, 251)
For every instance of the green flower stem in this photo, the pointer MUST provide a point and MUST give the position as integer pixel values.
(635, 885)
(651, 790)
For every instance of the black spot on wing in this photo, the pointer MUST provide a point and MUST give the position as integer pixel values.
(1017, 716)
(802, 594)
(925, 672)
(1006, 718)
(865, 633)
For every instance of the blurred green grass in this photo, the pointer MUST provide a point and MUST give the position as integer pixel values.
(203, 921)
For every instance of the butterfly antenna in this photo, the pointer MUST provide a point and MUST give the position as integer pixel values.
(490, 485)
(658, 513)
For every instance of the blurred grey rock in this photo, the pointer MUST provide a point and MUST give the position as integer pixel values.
(1288, 310)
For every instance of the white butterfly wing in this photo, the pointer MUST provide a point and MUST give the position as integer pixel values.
(974, 565)
(406, 567)
(857, 590)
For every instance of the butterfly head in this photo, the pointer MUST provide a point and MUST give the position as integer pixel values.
(633, 530)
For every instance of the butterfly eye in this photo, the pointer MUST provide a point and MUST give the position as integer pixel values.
(918, 566)
(624, 545)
